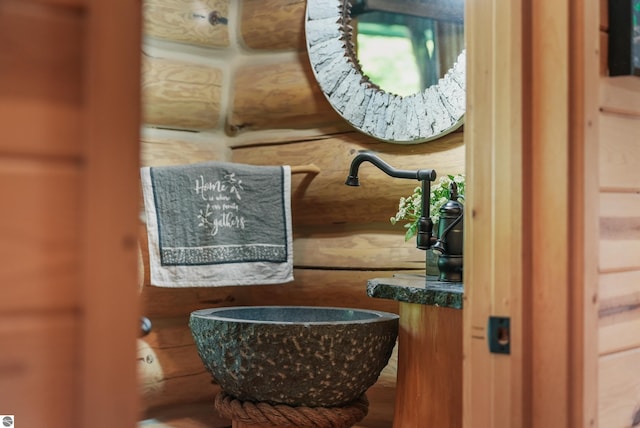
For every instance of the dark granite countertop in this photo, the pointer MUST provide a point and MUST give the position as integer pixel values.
(420, 289)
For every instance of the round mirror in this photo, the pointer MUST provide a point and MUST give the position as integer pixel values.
(437, 105)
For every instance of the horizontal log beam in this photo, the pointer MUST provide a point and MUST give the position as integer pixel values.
(311, 287)
(180, 95)
(180, 148)
(351, 246)
(195, 23)
(280, 94)
(324, 198)
(273, 24)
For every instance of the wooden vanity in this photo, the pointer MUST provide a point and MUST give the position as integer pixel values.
(429, 383)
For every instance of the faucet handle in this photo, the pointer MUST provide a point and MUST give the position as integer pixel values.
(424, 237)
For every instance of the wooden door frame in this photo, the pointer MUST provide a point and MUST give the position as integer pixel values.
(109, 312)
(531, 236)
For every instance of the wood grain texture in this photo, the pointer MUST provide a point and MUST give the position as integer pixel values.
(481, 28)
(181, 148)
(619, 153)
(109, 310)
(39, 368)
(40, 98)
(549, 251)
(187, 22)
(275, 95)
(273, 24)
(311, 287)
(429, 385)
(620, 95)
(584, 199)
(180, 95)
(619, 235)
(619, 389)
(619, 294)
(604, 49)
(350, 246)
(325, 199)
(619, 327)
(65, 3)
(281, 136)
(604, 14)
(40, 243)
(172, 375)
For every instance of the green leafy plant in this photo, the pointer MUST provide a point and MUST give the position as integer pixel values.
(410, 207)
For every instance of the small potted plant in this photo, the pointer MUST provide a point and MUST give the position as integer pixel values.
(410, 209)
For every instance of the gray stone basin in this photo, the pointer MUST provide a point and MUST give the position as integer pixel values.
(294, 355)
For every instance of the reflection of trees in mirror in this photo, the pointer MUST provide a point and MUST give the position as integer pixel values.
(406, 54)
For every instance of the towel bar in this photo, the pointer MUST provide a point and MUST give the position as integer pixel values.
(305, 169)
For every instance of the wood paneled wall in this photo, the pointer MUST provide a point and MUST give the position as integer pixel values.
(532, 152)
(244, 92)
(619, 284)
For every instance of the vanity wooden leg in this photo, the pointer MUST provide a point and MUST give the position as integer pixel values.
(429, 385)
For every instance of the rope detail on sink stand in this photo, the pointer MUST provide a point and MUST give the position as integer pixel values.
(283, 416)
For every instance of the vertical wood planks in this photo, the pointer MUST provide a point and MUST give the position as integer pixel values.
(41, 113)
(495, 234)
(38, 368)
(40, 237)
(109, 311)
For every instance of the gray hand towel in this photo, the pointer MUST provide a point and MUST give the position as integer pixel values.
(218, 223)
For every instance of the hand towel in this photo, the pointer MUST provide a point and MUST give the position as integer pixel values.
(218, 223)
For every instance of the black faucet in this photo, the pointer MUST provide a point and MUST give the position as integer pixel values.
(424, 238)
(449, 246)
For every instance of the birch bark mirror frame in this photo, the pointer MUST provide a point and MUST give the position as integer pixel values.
(416, 118)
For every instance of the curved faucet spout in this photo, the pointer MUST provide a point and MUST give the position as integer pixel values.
(424, 236)
(367, 156)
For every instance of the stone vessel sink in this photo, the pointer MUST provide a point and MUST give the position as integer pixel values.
(294, 355)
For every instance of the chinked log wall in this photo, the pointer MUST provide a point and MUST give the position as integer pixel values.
(244, 92)
(619, 288)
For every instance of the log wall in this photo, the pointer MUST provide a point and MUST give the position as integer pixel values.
(619, 285)
(243, 91)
